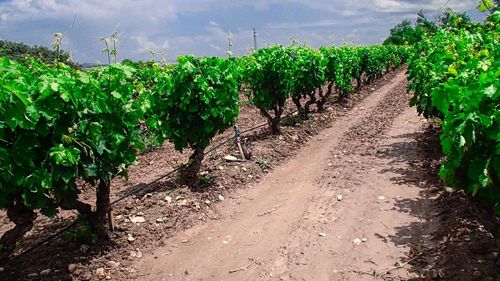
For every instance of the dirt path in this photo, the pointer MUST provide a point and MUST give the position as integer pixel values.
(352, 181)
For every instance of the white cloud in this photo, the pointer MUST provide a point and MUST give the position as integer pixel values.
(144, 44)
(201, 27)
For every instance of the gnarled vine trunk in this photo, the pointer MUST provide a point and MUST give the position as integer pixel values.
(320, 103)
(274, 122)
(358, 84)
(189, 174)
(312, 100)
(23, 218)
(300, 109)
(103, 203)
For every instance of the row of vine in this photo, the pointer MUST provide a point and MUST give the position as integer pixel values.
(60, 127)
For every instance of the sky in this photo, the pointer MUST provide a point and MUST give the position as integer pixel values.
(201, 27)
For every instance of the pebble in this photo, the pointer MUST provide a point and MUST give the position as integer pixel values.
(100, 272)
(130, 238)
(339, 197)
(243, 169)
(138, 219)
(356, 241)
(204, 173)
(230, 158)
(207, 202)
(250, 176)
(220, 168)
(182, 202)
(159, 220)
(295, 138)
(168, 199)
(2, 269)
(113, 264)
(322, 234)
(449, 189)
(45, 272)
(364, 239)
(221, 198)
(71, 267)
(138, 254)
(381, 198)
(33, 275)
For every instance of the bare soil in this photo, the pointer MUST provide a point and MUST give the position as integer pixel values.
(350, 194)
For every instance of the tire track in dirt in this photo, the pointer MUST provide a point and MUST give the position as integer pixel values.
(274, 228)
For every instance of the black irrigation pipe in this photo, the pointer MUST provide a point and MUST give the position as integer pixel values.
(114, 202)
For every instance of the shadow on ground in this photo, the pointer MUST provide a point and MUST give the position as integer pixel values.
(455, 238)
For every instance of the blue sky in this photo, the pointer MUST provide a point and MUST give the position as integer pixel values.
(200, 27)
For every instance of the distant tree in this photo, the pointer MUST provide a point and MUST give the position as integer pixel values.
(402, 34)
(450, 18)
(20, 52)
(425, 24)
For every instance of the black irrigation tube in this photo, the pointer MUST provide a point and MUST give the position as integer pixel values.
(114, 202)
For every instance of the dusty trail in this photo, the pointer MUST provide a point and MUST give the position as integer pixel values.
(352, 181)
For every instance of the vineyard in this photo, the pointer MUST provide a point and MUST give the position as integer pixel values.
(62, 127)
(67, 134)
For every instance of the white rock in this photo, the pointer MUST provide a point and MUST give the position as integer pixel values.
(221, 198)
(381, 198)
(204, 173)
(220, 168)
(45, 272)
(207, 202)
(113, 264)
(130, 238)
(339, 197)
(100, 272)
(364, 239)
(138, 219)
(138, 254)
(159, 220)
(182, 202)
(168, 199)
(250, 176)
(356, 241)
(243, 169)
(2, 269)
(449, 189)
(33, 275)
(295, 138)
(230, 158)
(322, 234)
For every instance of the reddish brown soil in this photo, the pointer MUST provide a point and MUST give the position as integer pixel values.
(278, 216)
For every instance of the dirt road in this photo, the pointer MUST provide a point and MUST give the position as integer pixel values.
(336, 211)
